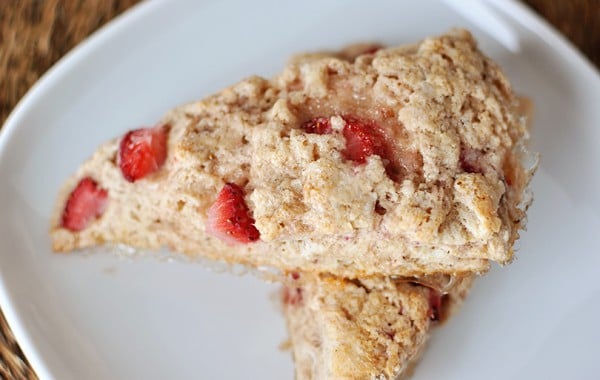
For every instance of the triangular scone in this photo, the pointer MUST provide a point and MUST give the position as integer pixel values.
(362, 329)
(400, 161)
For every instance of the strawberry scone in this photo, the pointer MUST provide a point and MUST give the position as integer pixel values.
(362, 329)
(400, 161)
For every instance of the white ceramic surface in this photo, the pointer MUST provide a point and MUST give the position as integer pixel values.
(106, 317)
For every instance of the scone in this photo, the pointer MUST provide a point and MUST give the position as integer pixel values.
(400, 161)
(362, 329)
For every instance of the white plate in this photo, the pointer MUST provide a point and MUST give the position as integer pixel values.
(104, 317)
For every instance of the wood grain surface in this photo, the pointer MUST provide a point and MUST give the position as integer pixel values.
(34, 34)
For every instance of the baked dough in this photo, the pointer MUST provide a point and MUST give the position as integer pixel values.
(452, 204)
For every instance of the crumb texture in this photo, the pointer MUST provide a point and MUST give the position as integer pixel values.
(441, 193)
(369, 329)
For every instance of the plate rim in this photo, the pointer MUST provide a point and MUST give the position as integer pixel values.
(53, 75)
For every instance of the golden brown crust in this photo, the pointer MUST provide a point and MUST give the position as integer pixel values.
(360, 329)
(455, 126)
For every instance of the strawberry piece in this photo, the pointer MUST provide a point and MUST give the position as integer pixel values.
(435, 305)
(229, 219)
(86, 203)
(318, 125)
(363, 139)
(142, 152)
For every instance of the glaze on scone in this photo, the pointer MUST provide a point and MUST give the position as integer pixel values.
(361, 329)
(444, 198)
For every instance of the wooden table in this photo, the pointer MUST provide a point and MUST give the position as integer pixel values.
(36, 33)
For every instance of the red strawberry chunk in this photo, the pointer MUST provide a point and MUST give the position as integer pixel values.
(229, 219)
(363, 139)
(142, 152)
(435, 305)
(86, 203)
(318, 125)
